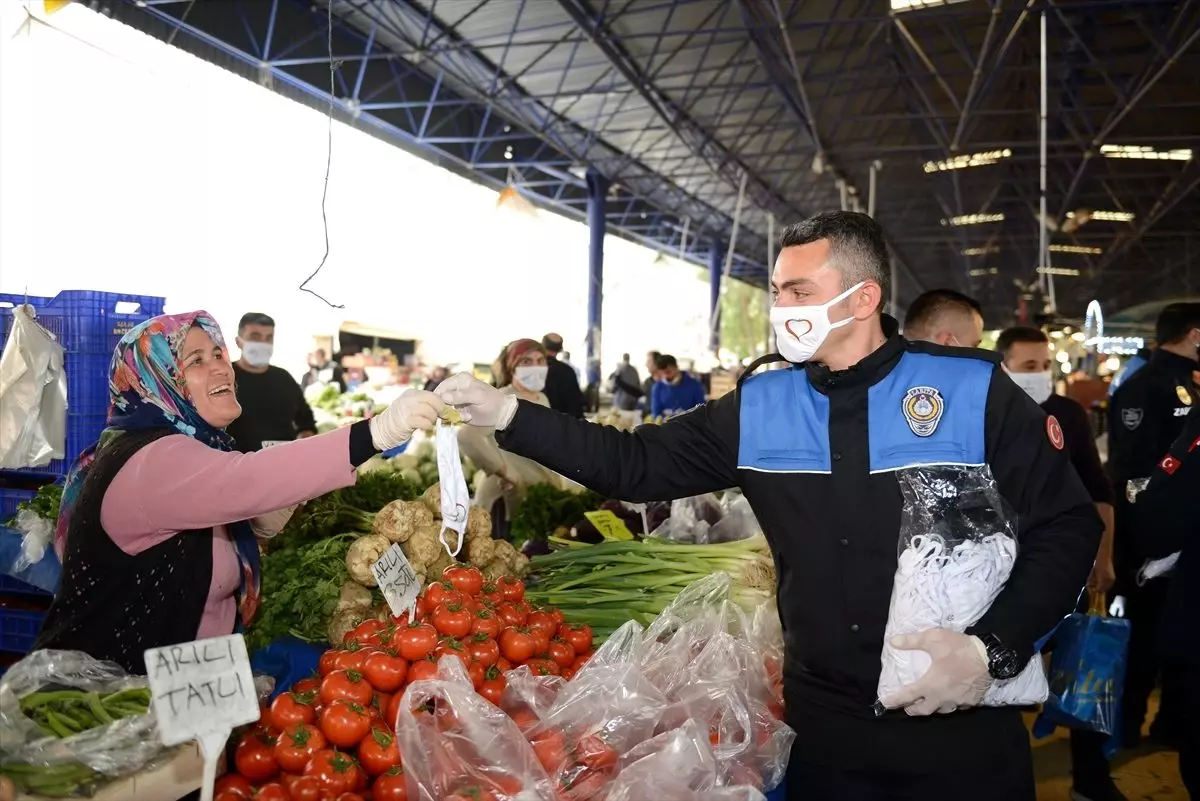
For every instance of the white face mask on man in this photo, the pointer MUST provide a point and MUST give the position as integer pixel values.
(532, 377)
(801, 330)
(257, 354)
(1038, 386)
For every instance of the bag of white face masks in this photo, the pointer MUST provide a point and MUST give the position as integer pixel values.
(455, 497)
(33, 395)
(958, 543)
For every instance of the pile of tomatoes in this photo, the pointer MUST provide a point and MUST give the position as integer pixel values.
(330, 737)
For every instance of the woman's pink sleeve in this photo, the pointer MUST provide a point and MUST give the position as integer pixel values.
(177, 484)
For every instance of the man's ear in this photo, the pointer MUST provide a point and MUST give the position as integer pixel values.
(867, 300)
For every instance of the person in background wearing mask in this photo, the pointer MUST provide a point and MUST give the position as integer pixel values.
(562, 381)
(1131, 366)
(273, 406)
(322, 371)
(945, 317)
(815, 449)
(675, 392)
(1146, 415)
(652, 376)
(1027, 360)
(624, 385)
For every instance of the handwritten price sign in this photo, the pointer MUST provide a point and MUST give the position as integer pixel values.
(609, 525)
(396, 580)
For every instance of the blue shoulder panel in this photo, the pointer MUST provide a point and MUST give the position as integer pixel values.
(784, 424)
(929, 410)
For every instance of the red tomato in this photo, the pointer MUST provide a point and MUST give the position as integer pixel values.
(511, 588)
(556, 613)
(578, 664)
(582, 786)
(550, 748)
(561, 652)
(289, 708)
(385, 671)
(467, 580)
(349, 797)
(345, 724)
(541, 641)
(523, 609)
(352, 658)
(309, 685)
(255, 757)
(453, 620)
(543, 667)
(509, 614)
(416, 642)
(333, 770)
(578, 634)
(347, 684)
(378, 752)
(486, 623)
(228, 795)
(328, 662)
(568, 673)
(516, 645)
(401, 620)
(442, 592)
(391, 786)
(366, 633)
(472, 792)
(475, 671)
(392, 712)
(490, 594)
(296, 746)
(303, 788)
(451, 647)
(483, 649)
(422, 669)
(233, 783)
(272, 792)
(504, 665)
(541, 621)
(593, 751)
(493, 685)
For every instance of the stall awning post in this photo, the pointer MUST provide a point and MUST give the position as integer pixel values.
(597, 187)
(716, 259)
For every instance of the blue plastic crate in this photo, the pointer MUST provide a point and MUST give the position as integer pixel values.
(88, 325)
(18, 629)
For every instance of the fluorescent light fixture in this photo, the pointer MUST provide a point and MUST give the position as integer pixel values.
(1144, 152)
(1081, 249)
(968, 160)
(980, 251)
(974, 219)
(1065, 271)
(980, 272)
(910, 5)
(1105, 216)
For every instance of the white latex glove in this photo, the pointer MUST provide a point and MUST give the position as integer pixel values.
(415, 410)
(957, 677)
(270, 524)
(1117, 607)
(479, 404)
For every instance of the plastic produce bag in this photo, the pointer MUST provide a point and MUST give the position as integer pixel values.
(33, 395)
(677, 765)
(958, 543)
(462, 746)
(81, 763)
(37, 533)
(1087, 677)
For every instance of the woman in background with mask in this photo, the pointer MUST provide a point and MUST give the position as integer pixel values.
(519, 370)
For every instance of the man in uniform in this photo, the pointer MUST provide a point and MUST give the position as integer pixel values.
(815, 449)
(945, 317)
(1167, 511)
(1146, 415)
(273, 406)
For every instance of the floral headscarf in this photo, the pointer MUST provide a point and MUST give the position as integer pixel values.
(146, 391)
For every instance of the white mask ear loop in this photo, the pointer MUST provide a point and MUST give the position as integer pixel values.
(442, 539)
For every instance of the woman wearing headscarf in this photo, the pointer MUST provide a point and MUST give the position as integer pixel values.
(519, 370)
(159, 521)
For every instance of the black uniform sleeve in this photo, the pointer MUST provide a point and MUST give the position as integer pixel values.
(304, 413)
(1058, 527)
(1135, 440)
(691, 454)
(1166, 508)
(1081, 442)
(562, 388)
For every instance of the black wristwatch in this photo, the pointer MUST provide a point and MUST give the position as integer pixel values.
(1003, 663)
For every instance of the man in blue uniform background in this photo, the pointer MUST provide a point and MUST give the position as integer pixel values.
(815, 449)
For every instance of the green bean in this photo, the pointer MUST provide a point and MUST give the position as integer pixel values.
(34, 700)
(60, 724)
(97, 708)
(139, 695)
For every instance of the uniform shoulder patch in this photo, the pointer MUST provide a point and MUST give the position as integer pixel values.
(1169, 464)
(1054, 432)
(1184, 396)
(923, 407)
(1131, 418)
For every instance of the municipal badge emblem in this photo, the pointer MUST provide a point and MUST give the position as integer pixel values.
(923, 407)
(1132, 418)
(1054, 432)
(1185, 397)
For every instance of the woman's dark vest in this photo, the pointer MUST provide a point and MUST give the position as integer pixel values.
(114, 606)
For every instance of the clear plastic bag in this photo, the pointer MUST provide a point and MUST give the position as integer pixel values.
(86, 759)
(527, 698)
(462, 745)
(33, 395)
(958, 544)
(37, 533)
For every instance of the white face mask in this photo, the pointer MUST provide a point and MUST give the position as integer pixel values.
(257, 354)
(455, 498)
(532, 377)
(1038, 386)
(801, 330)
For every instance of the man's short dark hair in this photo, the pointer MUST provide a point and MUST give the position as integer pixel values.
(553, 343)
(255, 318)
(664, 361)
(654, 355)
(1174, 322)
(926, 311)
(1019, 333)
(856, 247)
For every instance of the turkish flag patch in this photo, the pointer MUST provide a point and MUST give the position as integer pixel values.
(1169, 465)
(1054, 432)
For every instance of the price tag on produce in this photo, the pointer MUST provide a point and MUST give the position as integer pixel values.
(201, 691)
(609, 525)
(396, 580)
